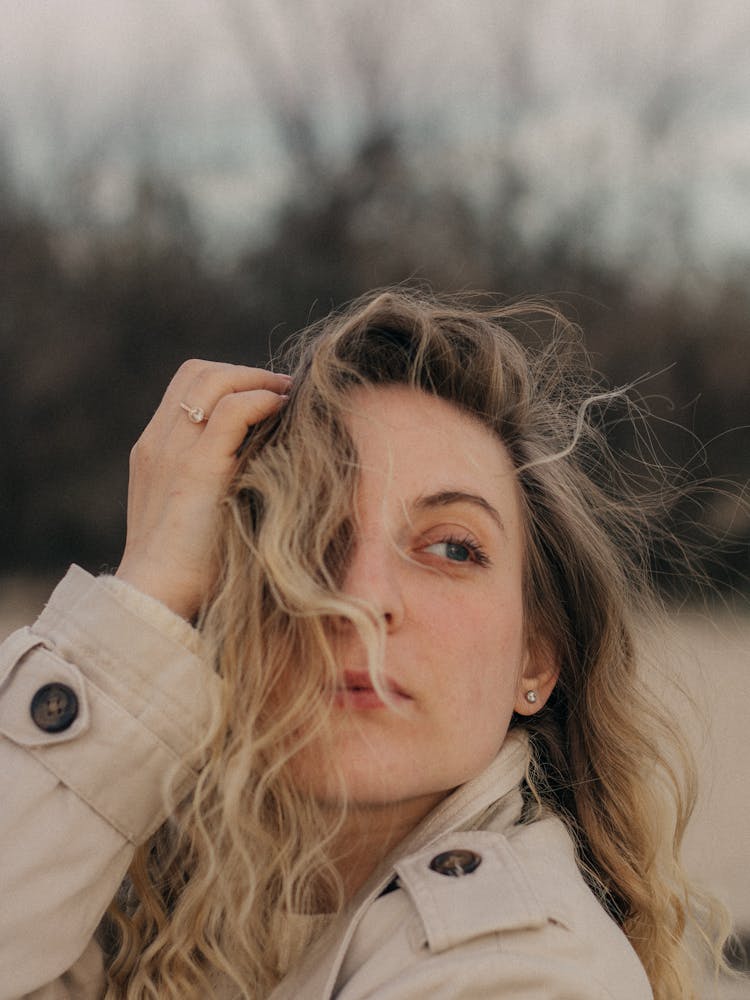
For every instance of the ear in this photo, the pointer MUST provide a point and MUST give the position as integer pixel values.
(540, 673)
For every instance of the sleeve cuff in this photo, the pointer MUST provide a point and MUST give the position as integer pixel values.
(154, 612)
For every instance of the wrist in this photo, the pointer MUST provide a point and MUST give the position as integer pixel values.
(175, 597)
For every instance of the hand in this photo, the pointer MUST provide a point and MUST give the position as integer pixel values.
(179, 472)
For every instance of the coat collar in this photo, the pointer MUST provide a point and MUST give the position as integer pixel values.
(496, 789)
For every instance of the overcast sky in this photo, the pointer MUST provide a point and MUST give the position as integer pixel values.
(639, 103)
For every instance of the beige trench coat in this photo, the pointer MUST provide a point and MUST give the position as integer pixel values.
(75, 802)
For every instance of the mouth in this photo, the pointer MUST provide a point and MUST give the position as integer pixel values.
(355, 690)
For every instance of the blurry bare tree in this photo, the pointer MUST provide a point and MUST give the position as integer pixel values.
(94, 318)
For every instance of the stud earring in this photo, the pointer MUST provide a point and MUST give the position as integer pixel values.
(531, 697)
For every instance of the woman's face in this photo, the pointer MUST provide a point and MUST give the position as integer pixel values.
(439, 555)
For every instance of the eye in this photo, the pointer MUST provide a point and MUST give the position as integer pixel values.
(455, 551)
(459, 550)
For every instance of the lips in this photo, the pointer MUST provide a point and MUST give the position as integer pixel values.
(356, 691)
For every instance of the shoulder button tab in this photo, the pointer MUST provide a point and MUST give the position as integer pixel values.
(498, 896)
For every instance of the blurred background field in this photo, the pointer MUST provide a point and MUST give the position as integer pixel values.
(195, 178)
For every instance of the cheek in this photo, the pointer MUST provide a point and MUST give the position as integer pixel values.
(476, 723)
(481, 658)
(482, 630)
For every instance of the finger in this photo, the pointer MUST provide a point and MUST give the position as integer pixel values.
(199, 385)
(207, 381)
(233, 414)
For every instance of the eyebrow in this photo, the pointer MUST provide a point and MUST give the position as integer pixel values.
(445, 498)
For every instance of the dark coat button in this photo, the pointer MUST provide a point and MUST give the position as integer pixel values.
(456, 863)
(54, 707)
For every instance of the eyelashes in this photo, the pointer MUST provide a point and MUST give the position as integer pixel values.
(459, 549)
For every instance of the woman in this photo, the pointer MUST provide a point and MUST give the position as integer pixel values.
(406, 752)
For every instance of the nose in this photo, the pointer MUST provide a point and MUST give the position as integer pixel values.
(375, 575)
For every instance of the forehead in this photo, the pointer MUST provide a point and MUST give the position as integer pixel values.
(419, 442)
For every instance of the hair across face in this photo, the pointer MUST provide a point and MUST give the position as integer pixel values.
(526, 402)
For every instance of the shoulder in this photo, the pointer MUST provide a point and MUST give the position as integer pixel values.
(493, 910)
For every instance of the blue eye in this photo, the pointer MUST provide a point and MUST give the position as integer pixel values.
(459, 551)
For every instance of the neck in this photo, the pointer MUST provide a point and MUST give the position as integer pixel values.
(371, 831)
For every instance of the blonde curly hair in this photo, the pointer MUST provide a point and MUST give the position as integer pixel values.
(206, 898)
